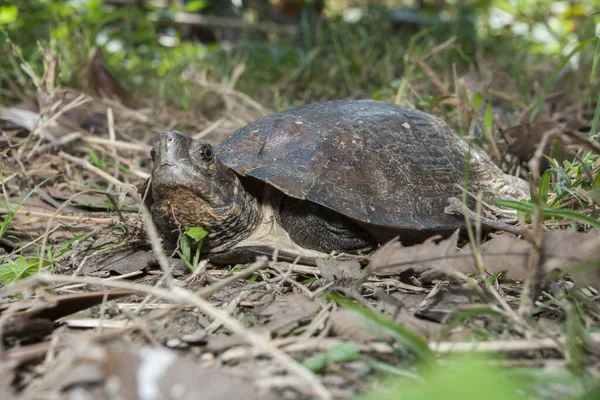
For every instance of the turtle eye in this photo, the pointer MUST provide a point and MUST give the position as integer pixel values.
(207, 153)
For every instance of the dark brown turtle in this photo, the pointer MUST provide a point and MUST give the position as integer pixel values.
(333, 176)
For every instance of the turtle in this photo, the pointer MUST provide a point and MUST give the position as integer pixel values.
(340, 176)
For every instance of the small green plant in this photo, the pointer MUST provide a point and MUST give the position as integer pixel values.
(192, 237)
(96, 160)
(342, 352)
(15, 270)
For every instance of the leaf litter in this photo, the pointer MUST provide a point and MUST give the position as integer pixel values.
(174, 338)
(506, 254)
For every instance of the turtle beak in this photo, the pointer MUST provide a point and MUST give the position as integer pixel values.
(173, 147)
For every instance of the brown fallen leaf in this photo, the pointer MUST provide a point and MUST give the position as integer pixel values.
(220, 342)
(343, 273)
(524, 139)
(55, 307)
(129, 260)
(285, 313)
(35, 317)
(349, 325)
(561, 250)
(392, 258)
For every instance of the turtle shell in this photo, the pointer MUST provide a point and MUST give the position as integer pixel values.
(375, 162)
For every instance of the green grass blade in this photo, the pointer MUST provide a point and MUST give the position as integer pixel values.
(594, 67)
(410, 340)
(545, 185)
(560, 67)
(528, 208)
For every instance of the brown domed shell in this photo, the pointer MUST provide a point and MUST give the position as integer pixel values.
(373, 161)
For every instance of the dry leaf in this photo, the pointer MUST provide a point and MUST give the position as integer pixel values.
(561, 250)
(524, 139)
(392, 258)
(125, 262)
(35, 317)
(55, 307)
(343, 272)
(286, 312)
(351, 326)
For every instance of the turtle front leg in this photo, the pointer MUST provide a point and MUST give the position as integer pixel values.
(318, 228)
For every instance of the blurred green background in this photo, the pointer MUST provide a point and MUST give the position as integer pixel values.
(294, 51)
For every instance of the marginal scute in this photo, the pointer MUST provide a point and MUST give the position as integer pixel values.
(376, 162)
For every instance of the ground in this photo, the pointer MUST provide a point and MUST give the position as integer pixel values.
(91, 305)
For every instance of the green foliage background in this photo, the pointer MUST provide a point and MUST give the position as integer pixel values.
(338, 59)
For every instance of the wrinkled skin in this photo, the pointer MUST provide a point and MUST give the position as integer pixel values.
(190, 187)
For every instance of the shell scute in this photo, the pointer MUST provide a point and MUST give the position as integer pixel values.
(376, 162)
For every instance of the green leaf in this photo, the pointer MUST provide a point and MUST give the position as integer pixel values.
(186, 247)
(339, 353)
(316, 363)
(575, 338)
(8, 14)
(21, 268)
(192, 236)
(556, 152)
(528, 208)
(344, 351)
(545, 185)
(197, 233)
(477, 100)
(489, 117)
(95, 160)
(195, 5)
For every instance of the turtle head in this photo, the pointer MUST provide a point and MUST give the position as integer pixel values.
(183, 164)
(189, 185)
